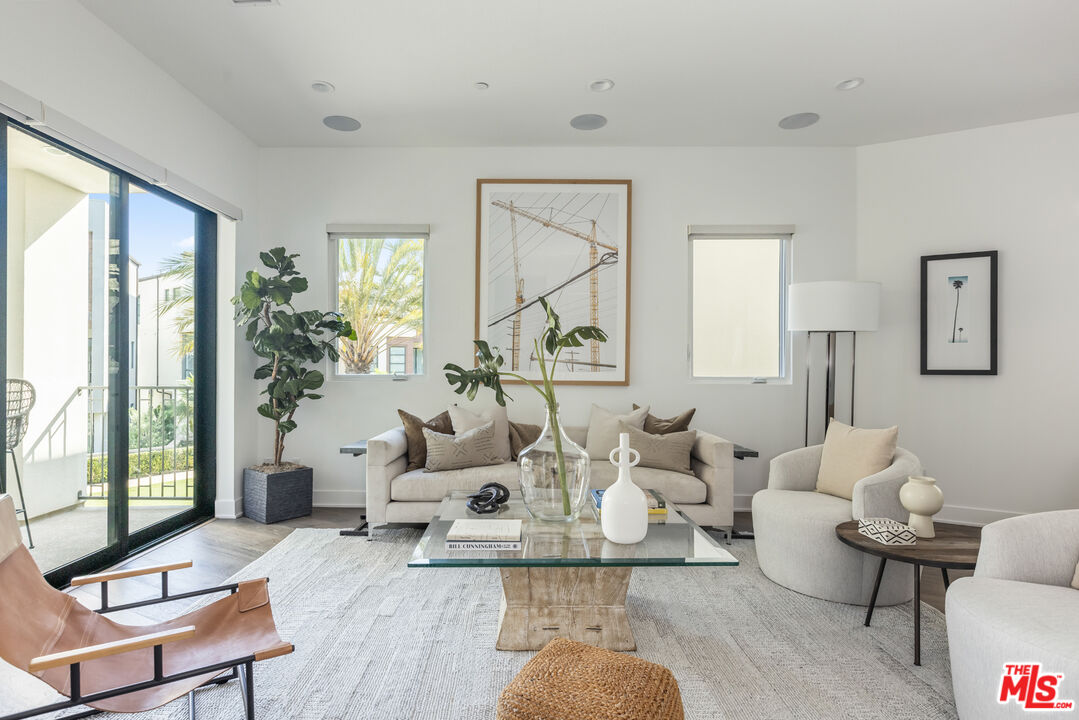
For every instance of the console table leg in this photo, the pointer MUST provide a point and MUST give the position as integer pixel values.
(917, 614)
(876, 589)
(944, 573)
(360, 531)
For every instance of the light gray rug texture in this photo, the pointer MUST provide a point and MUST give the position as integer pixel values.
(376, 639)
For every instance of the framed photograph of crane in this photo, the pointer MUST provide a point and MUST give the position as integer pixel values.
(564, 240)
(959, 314)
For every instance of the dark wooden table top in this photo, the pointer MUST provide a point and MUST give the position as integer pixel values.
(949, 549)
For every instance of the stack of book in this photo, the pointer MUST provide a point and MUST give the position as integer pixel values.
(468, 534)
(657, 506)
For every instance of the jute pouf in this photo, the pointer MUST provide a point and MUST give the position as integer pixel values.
(568, 680)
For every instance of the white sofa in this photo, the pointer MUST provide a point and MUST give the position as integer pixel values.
(1018, 608)
(396, 496)
(795, 530)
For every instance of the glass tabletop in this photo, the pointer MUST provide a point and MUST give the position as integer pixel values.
(672, 539)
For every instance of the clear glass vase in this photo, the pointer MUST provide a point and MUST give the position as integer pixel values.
(554, 473)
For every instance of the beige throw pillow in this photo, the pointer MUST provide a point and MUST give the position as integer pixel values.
(464, 420)
(667, 451)
(603, 430)
(417, 446)
(851, 454)
(662, 426)
(473, 448)
(1075, 579)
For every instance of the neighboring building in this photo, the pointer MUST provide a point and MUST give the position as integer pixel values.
(160, 362)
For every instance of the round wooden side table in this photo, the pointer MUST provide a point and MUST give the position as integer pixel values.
(948, 550)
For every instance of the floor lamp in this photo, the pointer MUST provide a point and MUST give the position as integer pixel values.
(832, 307)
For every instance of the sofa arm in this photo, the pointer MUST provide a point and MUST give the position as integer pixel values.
(795, 470)
(878, 495)
(713, 450)
(387, 457)
(1041, 548)
(385, 448)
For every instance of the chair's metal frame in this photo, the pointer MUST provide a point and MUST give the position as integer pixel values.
(18, 413)
(242, 667)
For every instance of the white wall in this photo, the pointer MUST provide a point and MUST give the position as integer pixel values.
(1004, 444)
(301, 190)
(60, 53)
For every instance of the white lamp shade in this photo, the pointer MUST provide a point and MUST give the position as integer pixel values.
(834, 306)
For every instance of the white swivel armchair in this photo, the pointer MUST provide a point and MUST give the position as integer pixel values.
(1019, 607)
(795, 530)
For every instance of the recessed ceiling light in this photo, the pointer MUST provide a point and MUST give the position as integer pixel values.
(849, 83)
(53, 150)
(601, 85)
(588, 122)
(344, 123)
(481, 85)
(798, 121)
(321, 86)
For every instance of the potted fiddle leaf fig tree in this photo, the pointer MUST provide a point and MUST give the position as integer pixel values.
(290, 343)
(554, 471)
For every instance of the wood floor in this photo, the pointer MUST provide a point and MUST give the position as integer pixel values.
(220, 548)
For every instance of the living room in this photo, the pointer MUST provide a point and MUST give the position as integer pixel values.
(889, 148)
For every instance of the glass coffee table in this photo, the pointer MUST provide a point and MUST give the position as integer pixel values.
(567, 580)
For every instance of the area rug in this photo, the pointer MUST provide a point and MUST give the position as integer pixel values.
(376, 639)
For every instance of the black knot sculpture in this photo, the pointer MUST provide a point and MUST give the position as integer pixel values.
(488, 499)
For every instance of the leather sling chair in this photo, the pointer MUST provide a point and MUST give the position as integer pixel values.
(107, 666)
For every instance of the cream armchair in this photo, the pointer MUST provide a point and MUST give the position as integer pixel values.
(795, 529)
(1018, 608)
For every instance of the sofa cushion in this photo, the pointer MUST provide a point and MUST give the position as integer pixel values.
(464, 419)
(663, 426)
(795, 508)
(669, 451)
(417, 446)
(851, 454)
(417, 485)
(676, 487)
(470, 449)
(603, 429)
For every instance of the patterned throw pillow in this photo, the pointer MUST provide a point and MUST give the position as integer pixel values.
(662, 426)
(464, 419)
(417, 446)
(670, 451)
(470, 449)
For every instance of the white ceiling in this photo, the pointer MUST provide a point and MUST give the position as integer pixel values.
(688, 72)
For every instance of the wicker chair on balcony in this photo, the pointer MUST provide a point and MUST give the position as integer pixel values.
(20, 400)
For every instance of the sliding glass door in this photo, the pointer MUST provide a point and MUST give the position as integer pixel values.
(108, 355)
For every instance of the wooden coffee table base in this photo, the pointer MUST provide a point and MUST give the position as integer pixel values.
(581, 603)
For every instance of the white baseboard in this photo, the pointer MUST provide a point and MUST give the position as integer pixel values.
(340, 498)
(229, 509)
(956, 514)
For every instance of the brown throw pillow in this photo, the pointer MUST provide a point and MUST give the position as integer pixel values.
(417, 446)
(851, 454)
(663, 426)
(669, 451)
(521, 436)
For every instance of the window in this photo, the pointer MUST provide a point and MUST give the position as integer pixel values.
(738, 301)
(380, 290)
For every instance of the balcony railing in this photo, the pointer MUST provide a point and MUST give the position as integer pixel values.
(160, 432)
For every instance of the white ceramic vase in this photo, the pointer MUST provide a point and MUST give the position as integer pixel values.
(624, 514)
(923, 499)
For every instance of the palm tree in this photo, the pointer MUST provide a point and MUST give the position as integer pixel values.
(958, 285)
(181, 267)
(380, 291)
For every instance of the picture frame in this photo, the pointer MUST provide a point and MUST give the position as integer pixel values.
(959, 314)
(570, 242)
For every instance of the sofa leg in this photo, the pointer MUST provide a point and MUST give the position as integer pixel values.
(730, 533)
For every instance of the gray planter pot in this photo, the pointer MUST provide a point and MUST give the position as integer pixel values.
(276, 496)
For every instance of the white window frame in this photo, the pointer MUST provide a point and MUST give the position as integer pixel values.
(335, 232)
(783, 233)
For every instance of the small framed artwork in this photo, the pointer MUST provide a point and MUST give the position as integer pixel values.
(567, 241)
(959, 314)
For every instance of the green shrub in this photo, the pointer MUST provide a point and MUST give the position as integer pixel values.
(143, 464)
